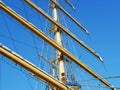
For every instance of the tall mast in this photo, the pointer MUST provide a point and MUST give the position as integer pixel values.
(58, 40)
(38, 32)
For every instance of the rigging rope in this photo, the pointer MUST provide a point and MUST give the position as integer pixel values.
(15, 67)
(23, 43)
(21, 70)
(36, 49)
(69, 41)
(35, 46)
(8, 29)
(101, 87)
(28, 79)
(23, 11)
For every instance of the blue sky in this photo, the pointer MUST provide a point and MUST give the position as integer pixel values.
(103, 21)
(104, 29)
(100, 17)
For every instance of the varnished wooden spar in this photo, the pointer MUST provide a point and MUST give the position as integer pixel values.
(63, 29)
(80, 25)
(32, 68)
(54, 44)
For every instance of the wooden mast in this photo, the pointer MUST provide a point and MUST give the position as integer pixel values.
(58, 40)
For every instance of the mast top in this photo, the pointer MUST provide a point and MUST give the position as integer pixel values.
(74, 20)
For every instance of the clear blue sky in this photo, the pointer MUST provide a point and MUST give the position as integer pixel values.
(100, 17)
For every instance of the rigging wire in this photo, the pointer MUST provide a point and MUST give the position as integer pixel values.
(25, 10)
(13, 39)
(75, 52)
(46, 21)
(64, 22)
(37, 83)
(71, 41)
(46, 24)
(82, 74)
(89, 36)
(13, 5)
(21, 70)
(102, 87)
(35, 45)
(71, 70)
(104, 66)
(12, 19)
(110, 77)
(15, 67)
(46, 30)
(44, 47)
(35, 78)
(36, 48)
(24, 43)
(45, 44)
(29, 82)
(40, 62)
(8, 29)
(37, 51)
(52, 55)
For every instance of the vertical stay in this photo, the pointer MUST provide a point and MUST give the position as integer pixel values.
(65, 30)
(30, 67)
(54, 44)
